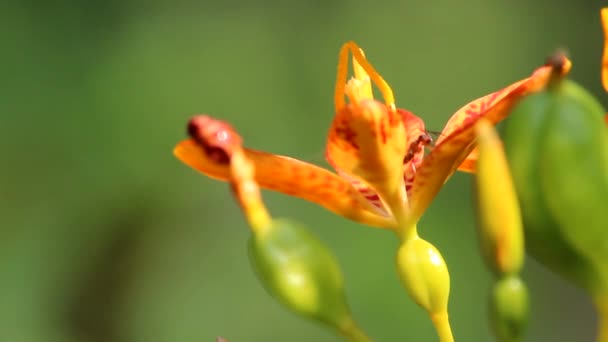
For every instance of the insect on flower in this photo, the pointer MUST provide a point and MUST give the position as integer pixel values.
(424, 140)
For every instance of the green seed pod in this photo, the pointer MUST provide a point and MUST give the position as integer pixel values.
(424, 274)
(509, 309)
(302, 274)
(574, 165)
(555, 143)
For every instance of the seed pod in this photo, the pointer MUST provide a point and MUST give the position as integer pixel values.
(556, 144)
(301, 273)
(574, 165)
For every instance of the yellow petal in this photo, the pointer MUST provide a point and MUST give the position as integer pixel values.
(499, 217)
(604, 16)
(367, 142)
(292, 177)
(457, 139)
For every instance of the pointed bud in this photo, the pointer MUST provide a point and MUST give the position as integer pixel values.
(574, 165)
(302, 274)
(557, 146)
(509, 309)
(425, 276)
(499, 219)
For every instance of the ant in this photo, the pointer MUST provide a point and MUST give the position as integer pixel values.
(417, 145)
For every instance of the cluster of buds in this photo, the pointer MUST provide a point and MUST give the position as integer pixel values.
(501, 236)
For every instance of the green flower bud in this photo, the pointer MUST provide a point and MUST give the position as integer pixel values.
(574, 165)
(302, 274)
(424, 274)
(509, 309)
(556, 143)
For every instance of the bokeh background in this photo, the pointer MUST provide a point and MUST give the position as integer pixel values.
(104, 236)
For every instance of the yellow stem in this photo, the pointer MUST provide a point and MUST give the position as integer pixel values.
(602, 310)
(397, 202)
(406, 227)
(353, 333)
(407, 233)
(247, 192)
(442, 325)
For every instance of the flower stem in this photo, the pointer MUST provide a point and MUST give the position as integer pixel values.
(353, 333)
(442, 325)
(602, 310)
(247, 192)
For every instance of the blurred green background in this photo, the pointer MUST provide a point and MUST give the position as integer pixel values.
(104, 236)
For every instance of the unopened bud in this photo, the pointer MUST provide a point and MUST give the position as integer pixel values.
(509, 309)
(302, 274)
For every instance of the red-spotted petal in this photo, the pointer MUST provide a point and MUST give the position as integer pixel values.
(457, 139)
(292, 177)
(367, 143)
(414, 127)
(505, 97)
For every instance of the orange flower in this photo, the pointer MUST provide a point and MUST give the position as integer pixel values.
(383, 178)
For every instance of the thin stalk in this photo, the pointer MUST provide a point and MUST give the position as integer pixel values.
(442, 325)
(353, 333)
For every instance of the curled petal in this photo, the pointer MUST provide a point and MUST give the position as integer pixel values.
(367, 142)
(365, 73)
(223, 145)
(504, 98)
(457, 140)
(292, 177)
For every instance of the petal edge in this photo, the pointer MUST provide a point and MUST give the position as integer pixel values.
(291, 177)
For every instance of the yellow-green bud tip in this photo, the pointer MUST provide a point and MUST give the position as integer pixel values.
(499, 217)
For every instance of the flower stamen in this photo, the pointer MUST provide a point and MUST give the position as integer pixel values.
(363, 70)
